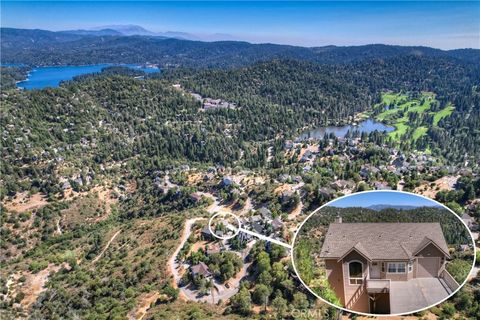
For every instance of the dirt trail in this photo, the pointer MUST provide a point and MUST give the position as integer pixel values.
(145, 301)
(106, 247)
(22, 202)
(172, 263)
(59, 229)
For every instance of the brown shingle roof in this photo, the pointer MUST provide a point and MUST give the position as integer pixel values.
(382, 241)
(202, 269)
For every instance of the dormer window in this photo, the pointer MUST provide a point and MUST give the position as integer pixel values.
(355, 272)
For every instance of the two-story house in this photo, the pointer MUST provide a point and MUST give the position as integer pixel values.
(387, 268)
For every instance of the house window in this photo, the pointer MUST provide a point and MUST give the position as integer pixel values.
(410, 266)
(383, 266)
(355, 272)
(396, 267)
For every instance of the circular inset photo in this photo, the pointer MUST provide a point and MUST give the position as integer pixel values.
(383, 253)
(224, 225)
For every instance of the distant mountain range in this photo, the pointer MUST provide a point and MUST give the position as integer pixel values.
(134, 44)
(134, 30)
(379, 207)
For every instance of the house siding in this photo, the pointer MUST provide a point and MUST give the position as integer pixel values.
(356, 297)
(335, 278)
(395, 276)
(430, 251)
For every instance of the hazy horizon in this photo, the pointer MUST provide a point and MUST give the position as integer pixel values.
(444, 25)
(388, 198)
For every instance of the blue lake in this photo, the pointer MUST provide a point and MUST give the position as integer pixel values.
(43, 77)
(366, 126)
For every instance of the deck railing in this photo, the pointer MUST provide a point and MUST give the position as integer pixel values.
(358, 293)
(378, 285)
(449, 280)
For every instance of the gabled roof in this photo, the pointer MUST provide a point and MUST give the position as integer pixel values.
(382, 241)
(265, 212)
(277, 223)
(202, 269)
(358, 247)
(206, 230)
(425, 242)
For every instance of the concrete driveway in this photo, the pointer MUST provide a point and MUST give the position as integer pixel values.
(415, 294)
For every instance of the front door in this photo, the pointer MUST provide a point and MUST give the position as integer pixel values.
(375, 270)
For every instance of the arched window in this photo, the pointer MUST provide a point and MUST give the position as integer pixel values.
(355, 272)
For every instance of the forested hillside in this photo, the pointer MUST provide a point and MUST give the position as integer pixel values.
(317, 94)
(41, 47)
(101, 176)
(454, 231)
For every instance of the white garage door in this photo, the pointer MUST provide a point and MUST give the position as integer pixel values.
(428, 267)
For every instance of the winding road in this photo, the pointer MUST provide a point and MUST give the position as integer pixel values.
(222, 292)
(172, 262)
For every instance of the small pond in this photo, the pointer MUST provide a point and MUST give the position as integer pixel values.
(366, 126)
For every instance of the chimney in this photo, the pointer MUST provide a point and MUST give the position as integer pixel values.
(338, 219)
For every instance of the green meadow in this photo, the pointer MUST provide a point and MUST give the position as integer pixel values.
(445, 112)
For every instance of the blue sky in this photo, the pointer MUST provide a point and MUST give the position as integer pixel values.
(439, 24)
(383, 197)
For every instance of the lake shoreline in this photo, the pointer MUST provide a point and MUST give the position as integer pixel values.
(51, 76)
(340, 131)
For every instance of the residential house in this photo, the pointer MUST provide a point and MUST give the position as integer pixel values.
(227, 181)
(307, 168)
(368, 170)
(196, 197)
(206, 234)
(284, 177)
(66, 185)
(464, 247)
(200, 269)
(326, 192)
(213, 248)
(265, 213)
(244, 237)
(370, 265)
(286, 196)
(382, 185)
(340, 185)
(469, 220)
(307, 156)
(288, 144)
(257, 227)
(277, 224)
(256, 218)
(208, 176)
